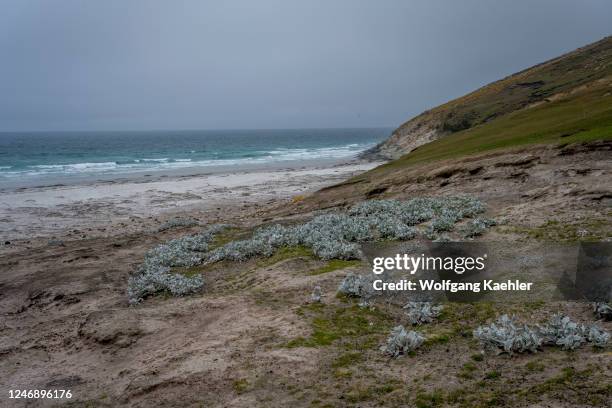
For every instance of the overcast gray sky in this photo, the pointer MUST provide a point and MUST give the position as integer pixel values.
(147, 64)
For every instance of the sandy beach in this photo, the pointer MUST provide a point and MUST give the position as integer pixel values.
(92, 208)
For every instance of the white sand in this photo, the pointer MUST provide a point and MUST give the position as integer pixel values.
(50, 211)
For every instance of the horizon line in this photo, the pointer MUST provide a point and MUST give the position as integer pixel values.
(193, 129)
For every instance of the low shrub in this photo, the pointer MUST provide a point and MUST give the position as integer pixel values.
(603, 310)
(401, 341)
(477, 226)
(337, 236)
(317, 294)
(560, 331)
(445, 222)
(154, 275)
(509, 336)
(329, 236)
(160, 279)
(422, 312)
(185, 251)
(597, 336)
(352, 285)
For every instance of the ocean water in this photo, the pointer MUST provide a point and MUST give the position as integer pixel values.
(58, 155)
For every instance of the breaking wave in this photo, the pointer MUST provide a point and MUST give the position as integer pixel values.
(236, 158)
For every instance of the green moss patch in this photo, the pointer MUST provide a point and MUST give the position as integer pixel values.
(360, 393)
(595, 229)
(240, 385)
(228, 235)
(587, 386)
(285, 253)
(429, 400)
(334, 265)
(347, 359)
(351, 325)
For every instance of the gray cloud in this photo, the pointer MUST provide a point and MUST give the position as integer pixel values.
(117, 64)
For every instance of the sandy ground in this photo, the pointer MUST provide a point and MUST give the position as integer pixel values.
(91, 208)
(65, 322)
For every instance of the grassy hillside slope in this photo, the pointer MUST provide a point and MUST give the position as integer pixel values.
(565, 77)
(582, 115)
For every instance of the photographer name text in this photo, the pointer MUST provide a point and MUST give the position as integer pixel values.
(450, 286)
(459, 265)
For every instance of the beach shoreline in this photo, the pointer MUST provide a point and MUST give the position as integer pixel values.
(12, 184)
(133, 202)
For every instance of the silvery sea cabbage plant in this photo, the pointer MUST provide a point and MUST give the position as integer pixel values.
(477, 226)
(338, 235)
(562, 331)
(603, 310)
(402, 341)
(329, 236)
(353, 285)
(316, 294)
(422, 312)
(509, 336)
(154, 275)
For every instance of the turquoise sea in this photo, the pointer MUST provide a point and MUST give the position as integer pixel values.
(37, 155)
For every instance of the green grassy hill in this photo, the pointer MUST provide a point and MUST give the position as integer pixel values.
(568, 96)
(583, 115)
